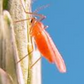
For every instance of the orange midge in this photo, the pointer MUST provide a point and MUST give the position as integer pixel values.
(44, 42)
(46, 46)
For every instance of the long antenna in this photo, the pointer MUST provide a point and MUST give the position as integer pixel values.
(42, 7)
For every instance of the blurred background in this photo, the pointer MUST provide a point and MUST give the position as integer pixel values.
(65, 19)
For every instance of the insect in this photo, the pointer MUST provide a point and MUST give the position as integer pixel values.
(46, 46)
(44, 42)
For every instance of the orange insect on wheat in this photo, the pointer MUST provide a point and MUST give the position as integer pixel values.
(46, 46)
(44, 42)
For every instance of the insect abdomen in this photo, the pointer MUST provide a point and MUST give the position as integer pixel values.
(43, 46)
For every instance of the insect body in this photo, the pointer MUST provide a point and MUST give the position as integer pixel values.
(46, 46)
(44, 42)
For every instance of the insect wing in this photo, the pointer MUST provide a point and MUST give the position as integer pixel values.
(57, 58)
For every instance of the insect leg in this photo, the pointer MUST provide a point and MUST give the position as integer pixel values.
(40, 15)
(25, 56)
(36, 62)
(22, 20)
(33, 13)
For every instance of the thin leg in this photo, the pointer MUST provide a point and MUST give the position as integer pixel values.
(35, 62)
(22, 20)
(24, 57)
(41, 16)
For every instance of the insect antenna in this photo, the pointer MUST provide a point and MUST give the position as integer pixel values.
(33, 1)
(42, 7)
